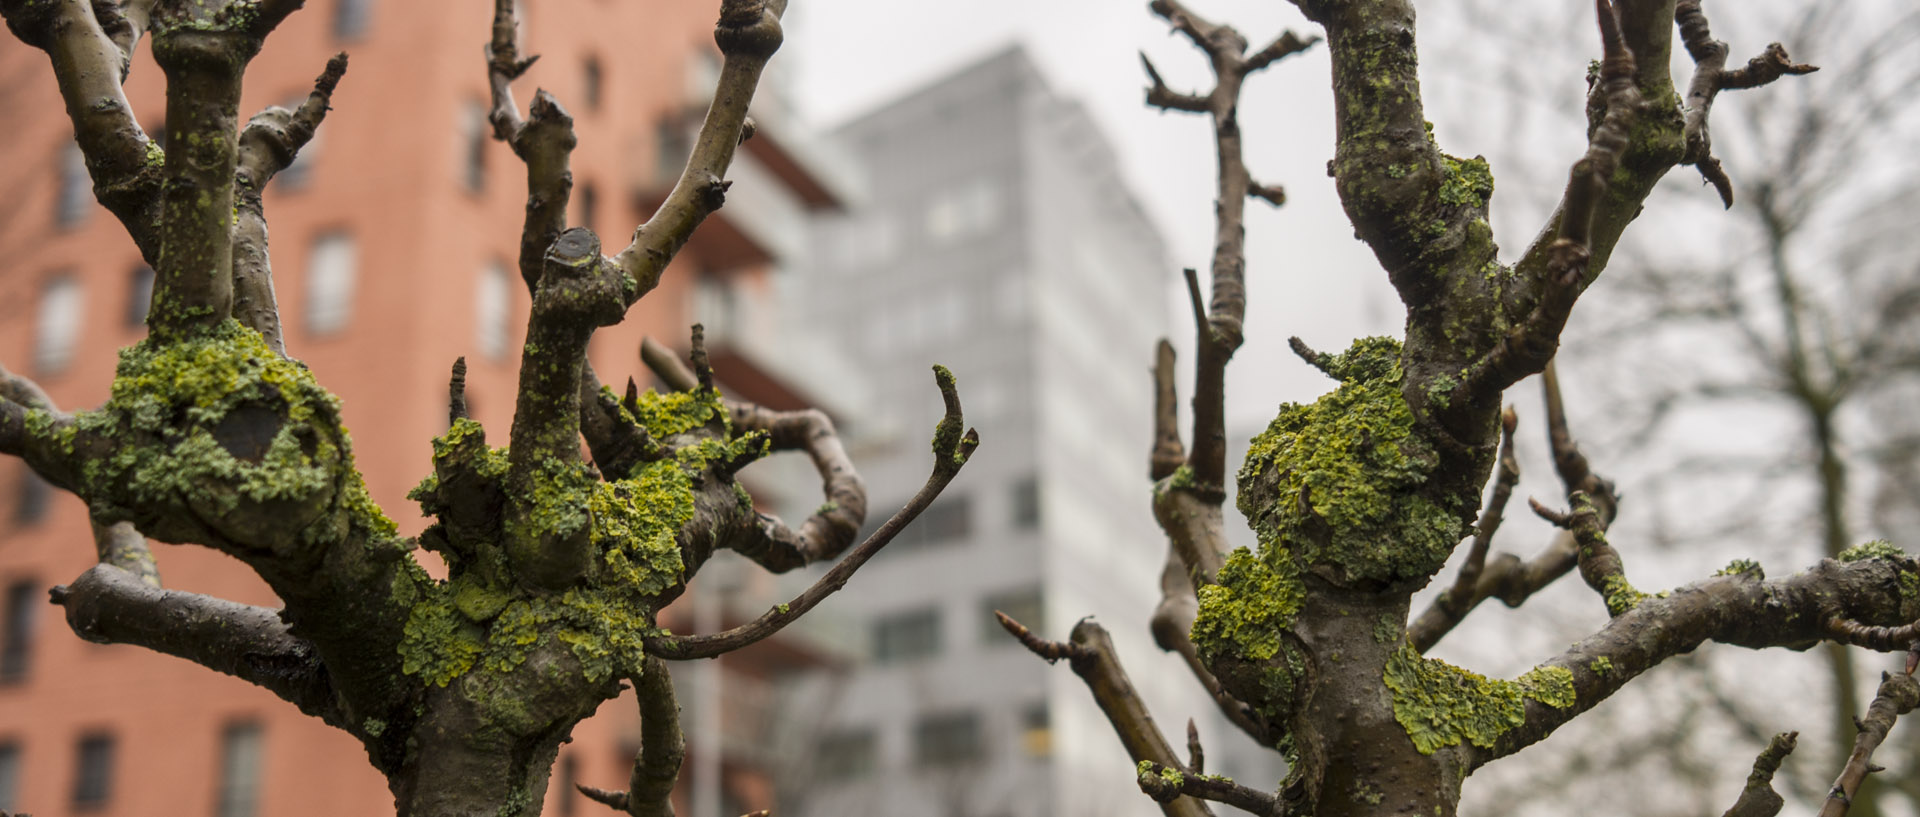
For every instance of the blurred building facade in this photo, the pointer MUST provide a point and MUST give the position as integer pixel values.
(998, 240)
(394, 241)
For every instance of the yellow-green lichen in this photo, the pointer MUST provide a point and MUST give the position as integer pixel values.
(1601, 665)
(1441, 705)
(1245, 614)
(678, 412)
(635, 522)
(215, 421)
(1876, 549)
(1338, 482)
(1742, 567)
(1620, 594)
(1468, 182)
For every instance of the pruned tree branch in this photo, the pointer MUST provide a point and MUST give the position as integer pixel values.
(1738, 608)
(1163, 783)
(90, 66)
(830, 529)
(1899, 694)
(1091, 655)
(748, 34)
(109, 605)
(951, 449)
(656, 767)
(1758, 799)
(1710, 77)
(267, 146)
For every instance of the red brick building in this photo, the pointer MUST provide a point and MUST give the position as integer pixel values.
(393, 246)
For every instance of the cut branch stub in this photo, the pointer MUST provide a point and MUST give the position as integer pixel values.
(579, 291)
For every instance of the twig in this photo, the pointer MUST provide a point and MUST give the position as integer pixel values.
(1710, 77)
(951, 451)
(1090, 653)
(267, 146)
(748, 34)
(1527, 347)
(1759, 799)
(663, 747)
(1163, 783)
(1167, 452)
(1458, 600)
(1898, 695)
(833, 527)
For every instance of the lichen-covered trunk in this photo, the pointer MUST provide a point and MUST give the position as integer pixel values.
(1372, 768)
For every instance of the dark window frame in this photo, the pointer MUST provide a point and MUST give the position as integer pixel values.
(93, 770)
(948, 739)
(16, 639)
(907, 636)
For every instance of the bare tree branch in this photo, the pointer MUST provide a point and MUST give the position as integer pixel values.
(951, 449)
(109, 605)
(1738, 608)
(1898, 695)
(267, 146)
(1759, 799)
(748, 34)
(1091, 654)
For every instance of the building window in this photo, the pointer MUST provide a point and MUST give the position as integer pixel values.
(474, 134)
(492, 306)
(588, 201)
(139, 296)
(32, 498)
(93, 773)
(591, 78)
(846, 755)
(350, 18)
(947, 519)
(1026, 502)
(1036, 730)
(59, 327)
(949, 739)
(1024, 605)
(331, 273)
(240, 747)
(965, 211)
(16, 643)
(76, 189)
(907, 636)
(569, 776)
(9, 775)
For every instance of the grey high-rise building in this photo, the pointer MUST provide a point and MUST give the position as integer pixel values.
(998, 239)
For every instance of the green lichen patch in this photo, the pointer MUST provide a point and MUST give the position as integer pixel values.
(1389, 628)
(1620, 595)
(218, 425)
(677, 412)
(1742, 567)
(1338, 482)
(1244, 617)
(1247, 608)
(1467, 183)
(1876, 549)
(1441, 705)
(635, 522)
(1601, 665)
